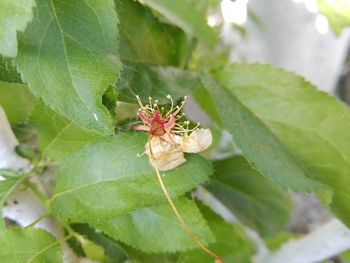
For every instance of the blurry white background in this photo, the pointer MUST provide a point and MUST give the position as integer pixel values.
(290, 34)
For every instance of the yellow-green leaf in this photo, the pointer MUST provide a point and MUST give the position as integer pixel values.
(337, 13)
(28, 246)
(14, 16)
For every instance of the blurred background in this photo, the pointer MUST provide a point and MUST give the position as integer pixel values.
(291, 34)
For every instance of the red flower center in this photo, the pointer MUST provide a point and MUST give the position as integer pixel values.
(158, 125)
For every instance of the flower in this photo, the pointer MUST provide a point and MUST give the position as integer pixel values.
(169, 137)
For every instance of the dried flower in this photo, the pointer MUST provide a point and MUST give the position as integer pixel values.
(169, 137)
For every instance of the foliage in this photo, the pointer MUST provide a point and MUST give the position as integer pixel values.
(63, 60)
(299, 115)
(28, 245)
(130, 228)
(74, 81)
(250, 196)
(106, 166)
(14, 16)
(6, 188)
(337, 12)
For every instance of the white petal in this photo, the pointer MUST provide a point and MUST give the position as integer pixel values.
(163, 155)
(196, 142)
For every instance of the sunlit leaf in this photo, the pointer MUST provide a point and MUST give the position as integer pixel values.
(139, 228)
(311, 124)
(92, 250)
(106, 179)
(68, 55)
(186, 16)
(232, 245)
(14, 16)
(258, 144)
(57, 136)
(337, 13)
(16, 100)
(28, 246)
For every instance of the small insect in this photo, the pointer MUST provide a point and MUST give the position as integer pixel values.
(169, 136)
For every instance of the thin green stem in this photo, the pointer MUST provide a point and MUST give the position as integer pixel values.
(38, 220)
(39, 194)
(70, 230)
(188, 57)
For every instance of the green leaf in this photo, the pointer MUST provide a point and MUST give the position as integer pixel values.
(144, 39)
(274, 243)
(109, 100)
(232, 245)
(313, 125)
(250, 196)
(260, 147)
(206, 58)
(345, 256)
(137, 256)
(158, 82)
(14, 16)
(139, 228)
(202, 97)
(28, 245)
(183, 14)
(16, 100)
(68, 55)
(27, 152)
(107, 179)
(124, 113)
(57, 136)
(114, 253)
(8, 173)
(337, 13)
(91, 250)
(6, 188)
(8, 72)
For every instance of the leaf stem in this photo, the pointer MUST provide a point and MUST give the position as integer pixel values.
(184, 225)
(39, 194)
(38, 220)
(70, 230)
(187, 59)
